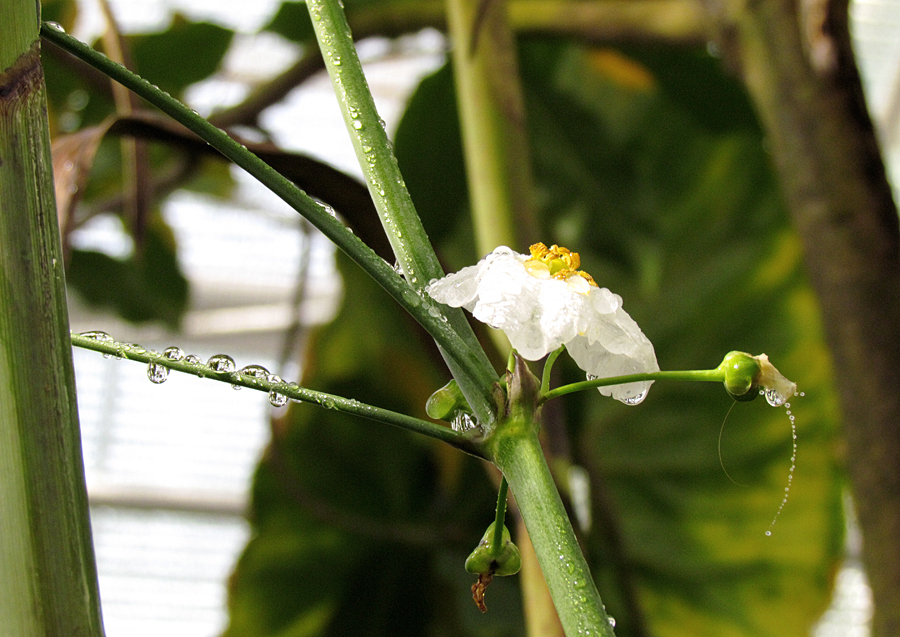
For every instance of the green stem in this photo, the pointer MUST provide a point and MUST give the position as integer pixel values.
(548, 368)
(516, 451)
(106, 345)
(500, 518)
(48, 577)
(453, 335)
(703, 375)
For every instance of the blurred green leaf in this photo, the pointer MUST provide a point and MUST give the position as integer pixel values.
(145, 287)
(292, 22)
(360, 527)
(183, 54)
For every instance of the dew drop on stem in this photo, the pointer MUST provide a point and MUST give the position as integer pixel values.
(277, 399)
(221, 363)
(174, 353)
(157, 373)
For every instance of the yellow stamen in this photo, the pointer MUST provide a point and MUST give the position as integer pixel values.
(561, 262)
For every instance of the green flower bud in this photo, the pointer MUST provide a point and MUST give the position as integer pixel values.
(446, 402)
(742, 372)
(487, 559)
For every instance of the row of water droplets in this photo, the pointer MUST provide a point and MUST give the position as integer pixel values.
(777, 400)
(158, 373)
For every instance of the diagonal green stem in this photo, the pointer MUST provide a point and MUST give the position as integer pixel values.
(99, 342)
(404, 229)
(453, 335)
(702, 375)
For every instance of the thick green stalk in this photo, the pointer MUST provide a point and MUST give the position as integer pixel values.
(516, 451)
(48, 579)
(404, 229)
(453, 335)
(492, 115)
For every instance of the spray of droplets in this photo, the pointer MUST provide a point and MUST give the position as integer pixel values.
(787, 489)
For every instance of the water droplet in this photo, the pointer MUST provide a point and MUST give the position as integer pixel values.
(611, 620)
(221, 363)
(570, 567)
(100, 337)
(157, 373)
(328, 403)
(174, 353)
(277, 399)
(56, 26)
(775, 398)
(254, 372)
(635, 400)
(357, 124)
(193, 359)
(769, 533)
(462, 422)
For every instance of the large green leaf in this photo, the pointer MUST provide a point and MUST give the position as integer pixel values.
(148, 286)
(360, 528)
(654, 170)
(162, 58)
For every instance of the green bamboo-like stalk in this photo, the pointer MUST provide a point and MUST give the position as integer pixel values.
(48, 580)
(492, 118)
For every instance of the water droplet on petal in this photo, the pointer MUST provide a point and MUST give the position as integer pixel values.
(221, 363)
(157, 373)
(635, 400)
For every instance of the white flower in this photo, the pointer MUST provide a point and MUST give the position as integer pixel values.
(542, 302)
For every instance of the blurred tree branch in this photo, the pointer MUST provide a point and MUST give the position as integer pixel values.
(797, 62)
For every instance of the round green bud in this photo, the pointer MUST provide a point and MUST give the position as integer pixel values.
(742, 374)
(446, 402)
(486, 558)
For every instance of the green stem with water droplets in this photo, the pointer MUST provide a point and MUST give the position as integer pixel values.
(449, 329)
(404, 229)
(463, 441)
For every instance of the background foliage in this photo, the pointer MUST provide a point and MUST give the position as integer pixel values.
(649, 162)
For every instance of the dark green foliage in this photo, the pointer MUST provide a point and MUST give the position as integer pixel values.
(148, 286)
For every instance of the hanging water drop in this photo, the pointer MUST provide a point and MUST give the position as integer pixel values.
(277, 399)
(635, 400)
(221, 363)
(157, 373)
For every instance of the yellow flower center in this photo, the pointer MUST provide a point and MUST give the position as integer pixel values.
(557, 262)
